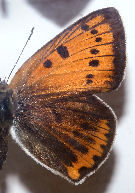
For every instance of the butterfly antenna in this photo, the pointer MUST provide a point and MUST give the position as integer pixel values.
(21, 53)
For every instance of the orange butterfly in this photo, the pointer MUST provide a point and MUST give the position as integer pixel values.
(50, 102)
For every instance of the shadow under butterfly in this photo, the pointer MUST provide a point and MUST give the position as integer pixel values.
(3, 7)
(36, 179)
(59, 11)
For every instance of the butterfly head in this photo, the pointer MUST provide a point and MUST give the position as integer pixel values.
(6, 105)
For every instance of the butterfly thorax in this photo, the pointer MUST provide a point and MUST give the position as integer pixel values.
(6, 106)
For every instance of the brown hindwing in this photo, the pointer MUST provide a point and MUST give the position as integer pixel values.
(71, 136)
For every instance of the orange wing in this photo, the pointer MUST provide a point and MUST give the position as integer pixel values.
(89, 55)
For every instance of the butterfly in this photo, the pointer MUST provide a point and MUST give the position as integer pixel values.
(50, 106)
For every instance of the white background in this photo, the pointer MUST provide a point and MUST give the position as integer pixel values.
(20, 173)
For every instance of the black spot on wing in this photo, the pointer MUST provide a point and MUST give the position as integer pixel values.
(94, 63)
(94, 31)
(89, 81)
(99, 39)
(89, 76)
(87, 127)
(63, 51)
(47, 64)
(83, 137)
(76, 145)
(96, 158)
(94, 51)
(85, 27)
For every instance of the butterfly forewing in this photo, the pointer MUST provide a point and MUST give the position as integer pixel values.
(86, 56)
(58, 122)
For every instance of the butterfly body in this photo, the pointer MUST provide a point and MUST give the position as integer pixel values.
(57, 119)
(6, 118)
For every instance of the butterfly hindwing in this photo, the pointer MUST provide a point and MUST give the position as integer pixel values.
(69, 135)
